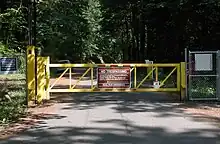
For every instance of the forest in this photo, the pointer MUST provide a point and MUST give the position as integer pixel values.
(112, 31)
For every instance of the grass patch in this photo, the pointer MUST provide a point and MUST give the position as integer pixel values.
(12, 98)
(13, 77)
(203, 87)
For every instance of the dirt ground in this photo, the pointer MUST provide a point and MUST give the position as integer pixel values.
(34, 115)
(210, 112)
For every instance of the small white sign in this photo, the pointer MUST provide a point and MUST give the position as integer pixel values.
(156, 84)
(203, 62)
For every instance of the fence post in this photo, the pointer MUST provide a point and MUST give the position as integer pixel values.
(30, 74)
(183, 81)
(218, 75)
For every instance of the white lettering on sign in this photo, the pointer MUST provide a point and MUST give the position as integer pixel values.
(113, 71)
(113, 77)
(113, 85)
(8, 65)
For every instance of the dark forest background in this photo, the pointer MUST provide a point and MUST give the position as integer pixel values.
(113, 30)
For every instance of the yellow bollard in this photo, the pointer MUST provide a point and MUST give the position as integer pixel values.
(30, 74)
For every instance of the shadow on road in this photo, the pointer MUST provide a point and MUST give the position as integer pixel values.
(162, 105)
(113, 96)
(135, 135)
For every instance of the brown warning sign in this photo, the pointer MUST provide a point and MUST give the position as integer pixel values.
(114, 77)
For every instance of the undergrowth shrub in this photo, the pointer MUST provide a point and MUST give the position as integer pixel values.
(12, 100)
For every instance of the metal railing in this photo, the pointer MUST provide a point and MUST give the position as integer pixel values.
(139, 82)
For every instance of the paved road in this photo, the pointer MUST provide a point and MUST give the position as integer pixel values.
(120, 118)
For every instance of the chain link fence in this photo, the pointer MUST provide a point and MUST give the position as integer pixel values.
(202, 75)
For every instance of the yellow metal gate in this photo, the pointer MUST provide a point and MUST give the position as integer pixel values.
(59, 78)
(138, 81)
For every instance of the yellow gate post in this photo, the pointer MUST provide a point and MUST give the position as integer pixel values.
(30, 74)
(40, 79)
(183, 80)
(43, 78)
(47, 77)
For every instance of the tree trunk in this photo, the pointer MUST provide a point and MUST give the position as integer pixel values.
(142, 39)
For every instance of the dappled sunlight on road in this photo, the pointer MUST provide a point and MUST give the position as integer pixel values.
(120, 118)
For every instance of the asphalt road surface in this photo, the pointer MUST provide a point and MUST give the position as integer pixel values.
(120, 118)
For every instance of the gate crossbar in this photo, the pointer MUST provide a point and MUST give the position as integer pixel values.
(162, 83)
(81, 78)
(59, 78)
(145, 78)
(136, 88)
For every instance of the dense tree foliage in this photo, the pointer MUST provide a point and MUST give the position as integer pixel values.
(114, 31)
